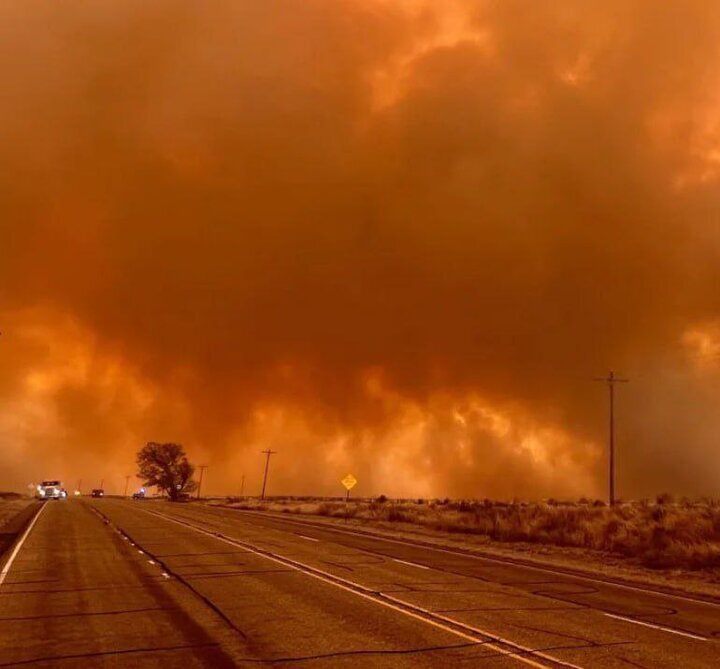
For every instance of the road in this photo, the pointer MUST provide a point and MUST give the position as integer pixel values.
(115, 583)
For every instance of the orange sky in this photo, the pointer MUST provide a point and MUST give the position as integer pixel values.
(392, 238)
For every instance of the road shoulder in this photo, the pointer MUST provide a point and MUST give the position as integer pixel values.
(14, 518)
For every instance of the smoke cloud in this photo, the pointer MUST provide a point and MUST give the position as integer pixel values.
(392, 238)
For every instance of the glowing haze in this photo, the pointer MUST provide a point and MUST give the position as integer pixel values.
(397, 239)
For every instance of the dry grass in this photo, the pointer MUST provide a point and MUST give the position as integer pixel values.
(11, 504)
(661, 534)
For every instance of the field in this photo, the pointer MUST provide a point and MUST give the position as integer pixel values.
(659, 534)
(11, 504)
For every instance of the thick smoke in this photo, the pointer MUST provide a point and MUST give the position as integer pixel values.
(392, 238)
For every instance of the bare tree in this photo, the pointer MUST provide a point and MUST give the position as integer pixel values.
(166, 466)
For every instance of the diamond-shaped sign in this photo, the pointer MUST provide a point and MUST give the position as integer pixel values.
(349, 482)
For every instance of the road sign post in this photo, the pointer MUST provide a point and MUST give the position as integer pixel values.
(349, 482)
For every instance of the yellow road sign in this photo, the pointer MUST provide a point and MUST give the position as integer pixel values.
(349, 482)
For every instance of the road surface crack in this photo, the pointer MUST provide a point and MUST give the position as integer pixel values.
(128, 651)
(52, 616)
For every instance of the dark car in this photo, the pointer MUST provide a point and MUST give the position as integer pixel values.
(97, 492)
(139, 495)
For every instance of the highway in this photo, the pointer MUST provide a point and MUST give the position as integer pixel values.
(116, 583)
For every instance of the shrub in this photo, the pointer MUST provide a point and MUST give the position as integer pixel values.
(657, 514)
(662, 535)
(325, 509)
(396, 514)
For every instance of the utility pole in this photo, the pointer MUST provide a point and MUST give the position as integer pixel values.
(102, 481)
(611, 380)
(202, 471)
(242, 486)
(127, 482)
(80, 486)
(268, 453)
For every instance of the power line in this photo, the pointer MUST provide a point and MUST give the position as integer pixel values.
(611, 380)
(268, 453)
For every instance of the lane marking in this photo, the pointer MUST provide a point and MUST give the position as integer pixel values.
(506, 563)
(411, 564)
(662, 628)
(6, 569)
(379, 598)
(302, 536)
(511, 563)
(689, 635)
(458, 553)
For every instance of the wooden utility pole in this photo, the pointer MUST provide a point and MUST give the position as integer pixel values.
(611, 380)
(202, 471)
(242, 486)
(127, 482)
(268, 453)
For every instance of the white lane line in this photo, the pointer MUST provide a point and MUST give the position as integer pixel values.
(689, 635)
(486, 558)
(411, 564)
(302, 536)
(356, 588)
(6, 569)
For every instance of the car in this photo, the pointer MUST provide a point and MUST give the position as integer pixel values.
(97, 492)
(140, 494)
(50, 489)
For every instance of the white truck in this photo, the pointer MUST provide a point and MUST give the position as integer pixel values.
(51, 490)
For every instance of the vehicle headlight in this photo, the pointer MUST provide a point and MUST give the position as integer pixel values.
(41, 492)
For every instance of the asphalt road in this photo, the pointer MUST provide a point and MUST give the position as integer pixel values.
(143, 584)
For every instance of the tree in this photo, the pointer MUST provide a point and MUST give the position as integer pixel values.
(166, 466)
